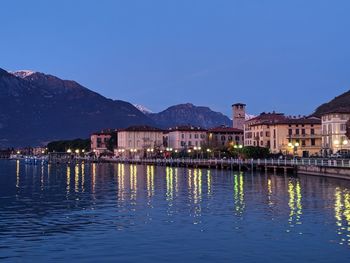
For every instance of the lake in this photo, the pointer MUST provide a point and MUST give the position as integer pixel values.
(135, 213)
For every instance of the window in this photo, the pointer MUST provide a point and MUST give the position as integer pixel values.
(196, 136)
(261, 143)
(223, 138)
(312, 131)
(303, 143)
(189, 143)
(183, 136)
(230, 138)
(290, 132)
(313, 142)
(303, 131)
(190, 136)
(237, 138)
(297, 132)
(342, 127)
(183, 143)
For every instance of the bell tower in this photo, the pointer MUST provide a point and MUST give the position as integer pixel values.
(238, 115)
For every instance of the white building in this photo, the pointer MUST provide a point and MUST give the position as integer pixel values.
(186, 137)
(334, 131)
(139, 141)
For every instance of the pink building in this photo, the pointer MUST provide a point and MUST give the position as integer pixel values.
(100, 142)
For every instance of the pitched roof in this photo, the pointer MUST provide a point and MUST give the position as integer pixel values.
(223, 129)
(187, 128)
(142, 128)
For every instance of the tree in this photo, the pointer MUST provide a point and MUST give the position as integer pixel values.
(250, 152)
(62, 146)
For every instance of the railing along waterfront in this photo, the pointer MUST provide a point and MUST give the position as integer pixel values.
(341, 163)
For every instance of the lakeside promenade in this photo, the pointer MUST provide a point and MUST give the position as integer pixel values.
(338, 168)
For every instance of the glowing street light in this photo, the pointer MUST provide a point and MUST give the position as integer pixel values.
(69, 151)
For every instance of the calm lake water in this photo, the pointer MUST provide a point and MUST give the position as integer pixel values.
(131, 213)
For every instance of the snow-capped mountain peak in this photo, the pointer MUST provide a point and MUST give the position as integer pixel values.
(249, 116)
(143, 109)
(22, 73)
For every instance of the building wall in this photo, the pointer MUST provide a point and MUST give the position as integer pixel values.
(99, 142)
(307, 135)
(221, 139)
(276, 137)
(179, 140)
(139, 140)
(333, 132)
(238, 115)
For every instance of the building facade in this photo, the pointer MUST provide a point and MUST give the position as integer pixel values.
(100, 142)
(186, 137)
(284, 135)
(334, 129)
(139, 141)
(238, 115)
(221, 137)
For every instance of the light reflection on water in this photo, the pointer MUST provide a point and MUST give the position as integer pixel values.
(102, 212)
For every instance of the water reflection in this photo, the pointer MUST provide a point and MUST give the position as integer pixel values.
(238, 193)
(133, 183)
(342, 214)
(85, 199)
(295, 206)
(68, 180)
(169, 183)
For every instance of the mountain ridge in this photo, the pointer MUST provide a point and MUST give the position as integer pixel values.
(39, 108)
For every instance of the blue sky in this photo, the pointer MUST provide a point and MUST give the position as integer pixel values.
(288, 56)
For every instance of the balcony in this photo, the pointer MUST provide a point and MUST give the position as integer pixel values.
(304, 136)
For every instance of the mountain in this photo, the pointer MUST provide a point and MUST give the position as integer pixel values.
(339, 103)
(184, 114)
(36, 108)
(143, 109)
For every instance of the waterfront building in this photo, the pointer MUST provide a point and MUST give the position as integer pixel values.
(223, 136)
(100, 142)
(284, 134)
(238, 115)
(334, 129)
(186, 137)
(139, 141)
(39, 150)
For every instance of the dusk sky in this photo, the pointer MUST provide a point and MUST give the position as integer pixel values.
(288, 56)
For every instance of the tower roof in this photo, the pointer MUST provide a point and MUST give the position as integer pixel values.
(238, 104)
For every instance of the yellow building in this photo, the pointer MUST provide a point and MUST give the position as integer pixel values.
(287, 135)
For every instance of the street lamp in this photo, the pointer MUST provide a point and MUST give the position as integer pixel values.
(69, 151)
(341, 143)
(294, 147)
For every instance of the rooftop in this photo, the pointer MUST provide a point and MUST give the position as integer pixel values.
(187, 128)
(142, 128)
(224, 129)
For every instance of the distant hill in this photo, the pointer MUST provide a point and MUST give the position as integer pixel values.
(36, 108)
(184, 114)
(340, 103)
